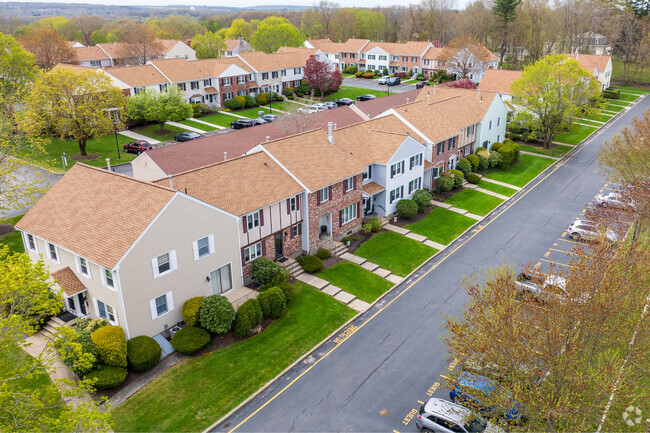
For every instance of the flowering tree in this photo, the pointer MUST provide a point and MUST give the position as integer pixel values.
(319, 76)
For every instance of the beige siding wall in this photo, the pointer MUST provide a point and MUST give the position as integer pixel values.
(464, 139)
(275, 218)
(145, 169)
(181, 50)
(182, 223)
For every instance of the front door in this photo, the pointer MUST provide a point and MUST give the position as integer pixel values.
(367, 206)
(83, 303)
(220, 280)
(71, 305)
(278, 238)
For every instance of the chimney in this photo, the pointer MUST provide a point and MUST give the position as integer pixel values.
(171, 185)
(240, 43)
(225, 156)
(108, 164)
(330, 133)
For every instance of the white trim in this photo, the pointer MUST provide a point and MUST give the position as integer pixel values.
(104, 279)
(96, 304)
(118, 286)
(56, 251)
(78, 260)
(173, 265)
(161, 72)
(407, 123)
(195, 247)
(169, 300)
(26, 242)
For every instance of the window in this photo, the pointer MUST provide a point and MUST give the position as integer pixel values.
(336, 56)
(194, 85)
(349, 213)
(241, 79)
(196, 99)
(162, 87)
(486, 143)
(397, 168)
(499, 138)
(31, 242)
(470, 130)
(395, 58)
(296, 83)
(253, 220)
(207, 82)
(441, 147)
(324, 194)
(352, 55)
(498, 122)
(164, 264)
(228, 95)
(343, 55)
(226, 81)
(265, 75)
(295, 230)
(203, 247)
(161, 305)
(382, 57)
(414, 59)
(220, 281)
(397, 193)
(451, 143)
(105, 311)
(371, 57)
(108, 278)
(348, 184)
(415, 184)
(137, 90)
(252, 252)
(283, 73)
(368, 173)
(82, 266)
(292, 204)
(181, 86)
(242, 93)
(95, 63)
(490, 125)
(415, 161)
(54, 253)
(435, 171)
(274, 74)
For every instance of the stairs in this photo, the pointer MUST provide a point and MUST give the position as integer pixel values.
(293, 267)
(339, 249)
(50, 327)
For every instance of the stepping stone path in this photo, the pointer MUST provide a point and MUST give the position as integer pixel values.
(457, 210)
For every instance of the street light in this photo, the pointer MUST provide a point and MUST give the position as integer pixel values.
(115, 117)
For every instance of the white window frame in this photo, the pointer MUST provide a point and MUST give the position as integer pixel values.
(241, 79)
(194, 85)
(367, 175)
(207, 82)
(108, 309)
(169, 301)
(293, 201)
(195, 247)
(294, 230)
(324, 194)
(96, 63)
(80, 266)
(498, 122)
(254, 251)
(397, 194)
(396, 169)
(56, 252)
(415, 184)
(265, 75)
(348, 213)
(349, 184)
(105, 278)
(228, 95)
(29, 240)
(253, 220)
(226, 81)
(173, 264)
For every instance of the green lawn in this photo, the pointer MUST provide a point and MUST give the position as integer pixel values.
(442, 225)
(602, 117)
(617, 72)
(103, 147)
(587, 122)
(13, 239)
(201, 126)
(153, 131)
(395, 252)
(524, 171)
(576, 135)
(219, 119)
(198, 391)
(556, 151)
(413, 81)
(354, 279)
(353, 92)
(473, 201)
(252, 112)
(635, 90)
(613, 107)
(628, 97)
(499, 189)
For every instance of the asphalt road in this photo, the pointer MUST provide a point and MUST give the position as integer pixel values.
(372, 84)
(391, 358)
(30, 173)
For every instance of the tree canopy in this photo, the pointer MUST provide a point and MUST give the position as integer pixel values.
(208, 45)
(153, 106)
(276, 32)
(319, 76)
(48, 47)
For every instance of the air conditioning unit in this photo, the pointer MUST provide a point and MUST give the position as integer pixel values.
(173, 330)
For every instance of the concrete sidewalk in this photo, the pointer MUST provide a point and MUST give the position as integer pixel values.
(136, 136)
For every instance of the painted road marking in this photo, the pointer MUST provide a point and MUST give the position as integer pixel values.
(409, 416)
(388, 304)
(538, 265)
(564, 251)
(345, 334)
(557, 263)
(563, 235)
(548, 253)
(573, 242)
(421, 402)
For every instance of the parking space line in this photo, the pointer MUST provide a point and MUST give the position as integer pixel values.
(573, 242)
(538, 265)
(563, 234)
(557, 263)
(548, 253)
(564, 251)
(419, 401)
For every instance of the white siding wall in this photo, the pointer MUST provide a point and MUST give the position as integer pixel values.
(275, 217)
(181, 49)
(496, 111)
(145, 169)
(409, 148)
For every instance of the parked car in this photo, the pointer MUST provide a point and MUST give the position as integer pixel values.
(310, 109)
(366, 97)
(614, 199)
(330, 104)
(383, 79)
(137, 146)
(543, 287)
(344, 101)
(442, 416)
(471, 388)
(270, 117)
(242, 123)
(421, 84)
(321, 106)
(186, 136)
(586, 230)
(393, 81)
(260, 121)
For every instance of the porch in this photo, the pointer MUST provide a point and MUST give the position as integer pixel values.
(240, 295)
(75, 296)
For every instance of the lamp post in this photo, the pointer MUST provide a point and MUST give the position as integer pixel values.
(115, 118)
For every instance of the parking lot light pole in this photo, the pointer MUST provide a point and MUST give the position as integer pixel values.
(114, 118)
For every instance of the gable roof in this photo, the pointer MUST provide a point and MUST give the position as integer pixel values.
(435, 53)
(410, 48)
(483, 53)
(135, 76)
(231, 44)
(69, 281)
(591, 61)
(180, 69)
(327, 46)
(498, 80)
(89, 53)
(116, 49)
(239, 185)
(261, 61)
(95, 213)
(374, 107)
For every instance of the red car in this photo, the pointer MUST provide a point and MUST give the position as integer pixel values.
(137, 146)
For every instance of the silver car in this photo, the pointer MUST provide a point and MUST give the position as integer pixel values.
(587, 230)
(544, 288)
(614, 199)
(383, 80)
(442, 416)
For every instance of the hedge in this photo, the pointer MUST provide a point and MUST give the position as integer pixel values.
(143, 353)
(190, 310)
(288, 289)
(480, 149)
(351, 70)
(496, 146)
(310, 264)
(495, 159)
(288, 91)
(458, 178)
(110, 342)
(248, 315)
(232, 103)
(189, 340)
(445, 183)
(473, 178)
(422, 198)
(216, 314)
(106, 376)
(474, 161)
(323, 253)
(261, 99)
(369, 75)
(250, 101)
(483, 162)
(358, 74)
(464, 166)
(266, 270)
(406, 208)
(509, 155)
(611, 93)
(272, 302)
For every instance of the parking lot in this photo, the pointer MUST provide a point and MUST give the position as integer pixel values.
(372, 84)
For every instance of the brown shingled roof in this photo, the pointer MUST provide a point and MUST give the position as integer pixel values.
(591, 61)
(222, 185)
(410, 48)
(375, 107)
(498, 80)
(262, 61)
(69, 281)
(436, 53)
(371, 188)
(95, 213)
(135, 76)
(89, 53)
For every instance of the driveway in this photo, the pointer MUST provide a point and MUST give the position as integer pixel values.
(390, 359)
(30, 173)
(372, 84)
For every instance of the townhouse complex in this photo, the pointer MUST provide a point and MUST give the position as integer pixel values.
(108, 55)
(192, 226)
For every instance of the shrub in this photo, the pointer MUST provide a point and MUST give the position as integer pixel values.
(88, 324)
(420, 77)
(310, 264)
(473, 160)
(110, 342)
(250, 101)
(232, 103)
(483, 153)
(204, 108)
(445, 183)
(367, 228)
(242, 101)
(422, 198)
(356, 238)
(385, 71)
(611, 93)
(303, 88)
(483, 162)
(196, 110)
(480, 149)
(401, 75)
(346, 239)
(106, 376)
(299, 94)
(323, 253)
(248, 315)
(406, 208)
(261, 99)
(496, 146)
(288, 91)
(473, 178)
(507, 141)
(216, 314)
(189, 340)
(273, 302)
(272, 96)
(265, 270)
(369, 75)
(143, 353)
(358, 74)
(288, 289)
(514, 136)
(190, 310)
(378, 73)
(458, 178)
(507, 153)
(495, 159)
(375, 222)
(464, 166)
(76, 349)
(351, 69)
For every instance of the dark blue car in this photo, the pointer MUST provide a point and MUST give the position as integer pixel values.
(470, 386)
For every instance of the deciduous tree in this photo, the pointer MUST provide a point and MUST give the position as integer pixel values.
(141, 43)
(553, 91)
(460, 60)
(326, 10)
(208, 45)
(319, 76)
(159, 107)
(239, 28)
(276, 32)
(87, 24)
(48, 47)
(74, 105)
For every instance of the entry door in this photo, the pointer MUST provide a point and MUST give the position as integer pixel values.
(367, 205)
(220, 280)
(83, 303)
(278, 244)
(71, 305)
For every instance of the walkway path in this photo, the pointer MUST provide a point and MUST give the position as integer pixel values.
(136, 136)
(496, 182)
(233, 114)
(457, 210)
(207, 123)
(486, 191)
(539, 154)
(336, 292)
(189, 128)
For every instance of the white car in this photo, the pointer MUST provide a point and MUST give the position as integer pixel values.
(321, 106)
(614, 199)
(584, 229)
(310, 109)
(544, 287)
(383, 80)
(442, 416)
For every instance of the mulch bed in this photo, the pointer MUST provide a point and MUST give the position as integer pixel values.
(354, 245)
(442, 196)
(5, 229)
(84, 157)
(331, 261)
(401, 222)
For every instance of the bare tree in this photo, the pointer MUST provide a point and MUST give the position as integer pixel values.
(326, 10)
(88, 24)
(140, 45)
(296, 123)
(460, 59)
(476, 20)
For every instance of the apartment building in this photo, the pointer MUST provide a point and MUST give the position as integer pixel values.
(113, 54)
(395, 57)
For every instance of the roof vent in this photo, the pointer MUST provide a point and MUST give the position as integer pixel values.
(171, 185)
(225, 156)
(330, 132)
(407, 100)
(267, 138)
(434, 89)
